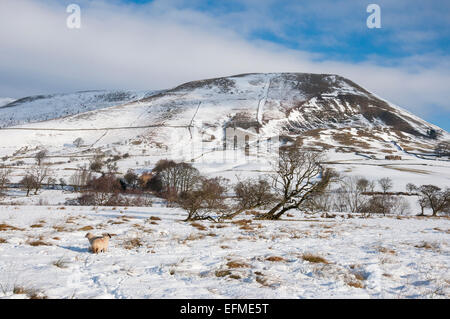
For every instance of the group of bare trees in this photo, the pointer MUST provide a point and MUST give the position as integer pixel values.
(37, 175)
(297, 176)
(5, 174)
(442, 149)
(432, 197)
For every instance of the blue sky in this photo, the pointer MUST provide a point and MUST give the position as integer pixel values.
(162, 43)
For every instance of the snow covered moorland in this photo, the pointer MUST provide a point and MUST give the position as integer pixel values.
(154, 254)
(281, 185)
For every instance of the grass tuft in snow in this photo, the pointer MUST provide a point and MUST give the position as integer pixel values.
(314, 258)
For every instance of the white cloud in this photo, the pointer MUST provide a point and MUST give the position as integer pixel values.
(159, 47)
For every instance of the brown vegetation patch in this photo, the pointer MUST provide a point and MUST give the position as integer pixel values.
(314, 258)
(246, 227)
(6, 227)
(194, 237)
(275, 258)
(355, 284)
(30, 292)
(427, 245)
(222, 273)
(60, 228)
(37, 226)
(237, 264)
(132, 243)
(3, 241)
(385, 250)
(242, 222)
(86, 228)
(154, 218)
(39, 242)
(199, 226)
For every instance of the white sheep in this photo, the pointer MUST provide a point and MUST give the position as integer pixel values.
(98, 243)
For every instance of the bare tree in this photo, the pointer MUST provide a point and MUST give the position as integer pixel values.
(131, 179)
(433, 197)
(27, 183)
(102, 191)
(96, 163)
(252, 194)
(39, 174)
(40, 156)
(411, 188)
(176, 177)
(385, 184)
(351, 193)
(4, 178)
(206, 201)
(298, 176)
(80, 178)
(443, 149)
(383, 204)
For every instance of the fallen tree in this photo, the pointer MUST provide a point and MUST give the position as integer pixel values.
(298, 176)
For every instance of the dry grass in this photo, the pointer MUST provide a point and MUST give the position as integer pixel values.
(115, 222)
(199, 226)
(154, 218)
(6, 227)
(61, 263)
(385, 250)
(442, 230)
(246, 227)
(31, 293)
(211, 234)
(314, 258)
(37, 226)
(38, 242)
(86, 228)
(355, 284)
(132, 243)
(237, 264)
(427, 245)
(242, 222)
(275, 258)
(3, 241)
(193, 237)
(348, 139)
(60, 228)
(222, 273)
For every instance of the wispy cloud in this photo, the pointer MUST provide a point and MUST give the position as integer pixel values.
(164, 43)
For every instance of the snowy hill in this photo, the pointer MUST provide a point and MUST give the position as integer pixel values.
(5, 100)
(46, 107)
(190, 122)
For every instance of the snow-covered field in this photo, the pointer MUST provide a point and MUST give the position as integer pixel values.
(154, 254)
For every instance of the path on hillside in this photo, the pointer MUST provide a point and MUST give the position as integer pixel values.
(262, 101)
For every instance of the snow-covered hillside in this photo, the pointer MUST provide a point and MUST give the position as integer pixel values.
(189, 122)
(153, 254)
(5, 100)
(46, 107)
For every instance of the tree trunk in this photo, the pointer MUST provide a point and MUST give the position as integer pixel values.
(270, 215)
